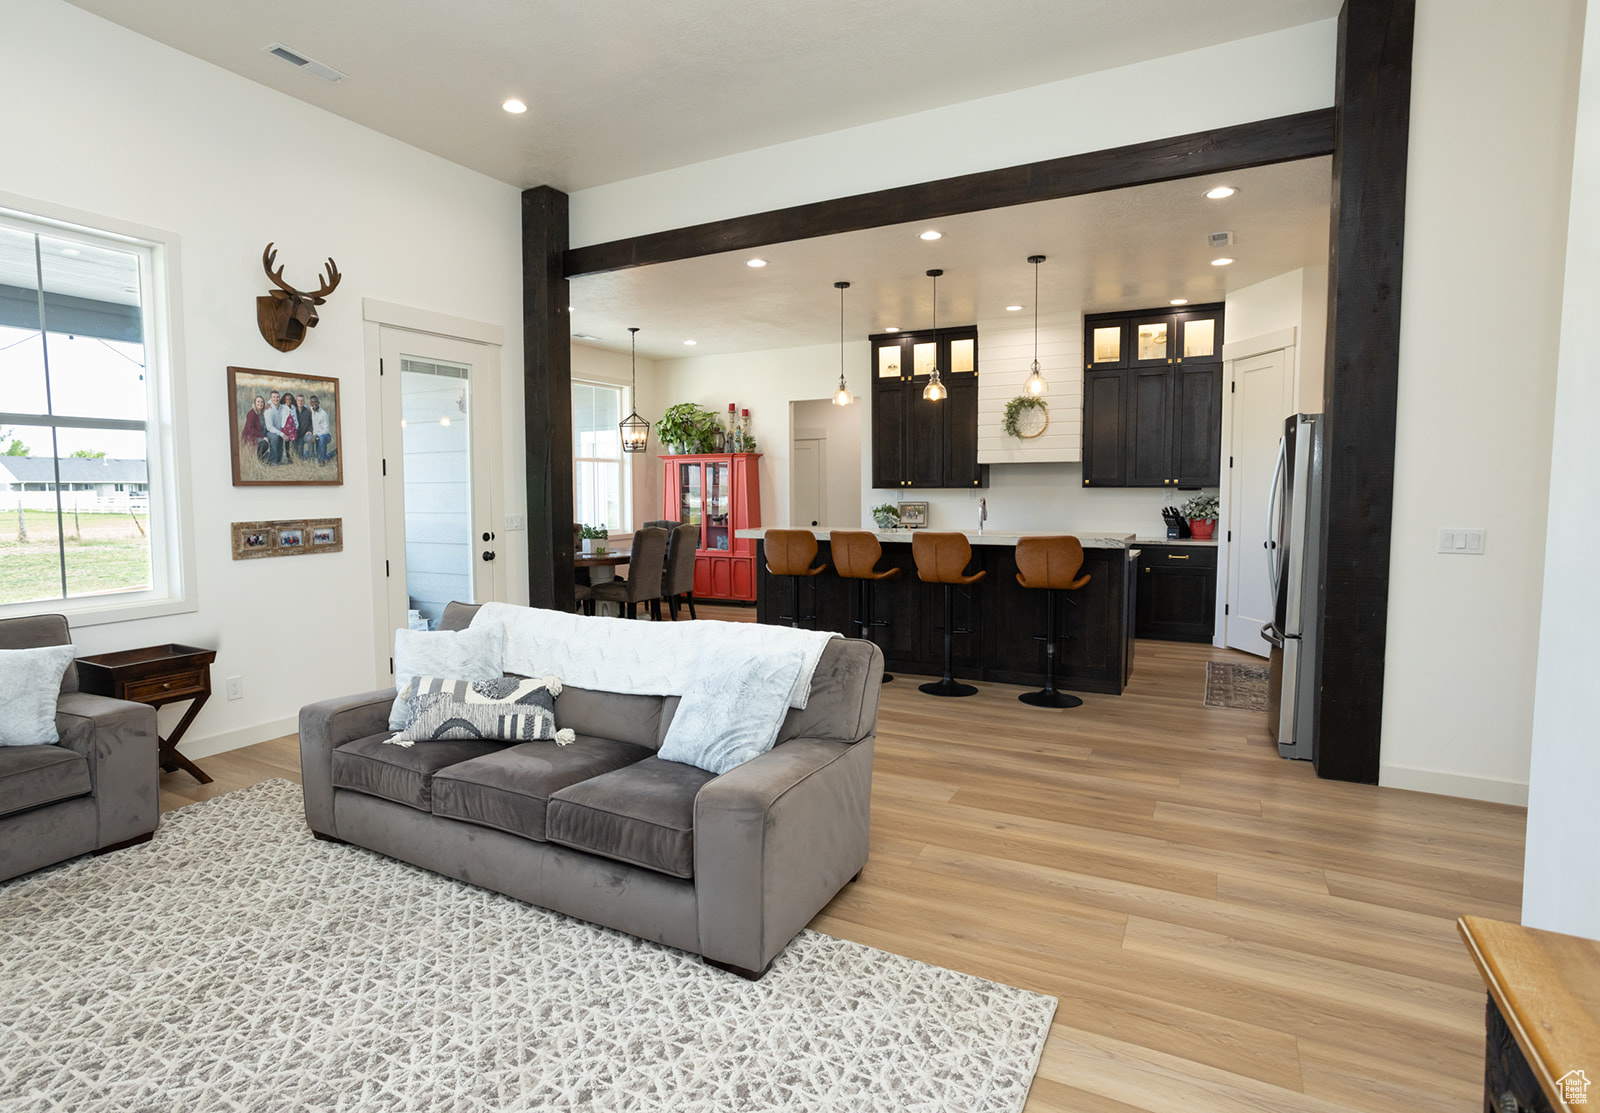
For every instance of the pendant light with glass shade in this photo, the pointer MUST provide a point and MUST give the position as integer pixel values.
(635, 429)
(935, 390)
(842, 396)
(1035, 386)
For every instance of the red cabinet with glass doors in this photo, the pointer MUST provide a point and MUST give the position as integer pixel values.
(720, 493)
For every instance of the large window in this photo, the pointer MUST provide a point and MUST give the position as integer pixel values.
(85, 497)
(598, 469)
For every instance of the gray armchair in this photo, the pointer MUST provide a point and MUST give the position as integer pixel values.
(96, 790)
(646, 565)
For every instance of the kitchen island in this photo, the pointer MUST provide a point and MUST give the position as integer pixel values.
(1003, 615)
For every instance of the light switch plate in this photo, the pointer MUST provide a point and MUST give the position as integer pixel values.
(516, 521)
(1461, 542)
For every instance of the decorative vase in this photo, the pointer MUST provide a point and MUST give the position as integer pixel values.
(1202, 528)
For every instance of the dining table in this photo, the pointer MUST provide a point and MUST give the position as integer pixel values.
(602, 569)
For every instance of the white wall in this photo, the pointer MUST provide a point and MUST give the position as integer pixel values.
(1005, 360)
(1251, 79)
(137, 132)
(597, 365)
(1313, 354)
(840, 427)
(1561, 880)
(1492, 118)
(766, 383)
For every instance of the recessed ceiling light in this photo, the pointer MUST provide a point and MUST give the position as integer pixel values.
(892, 328)
(1221, 262)
(1013, 308)
(583, 336)
(690, 343)
(755, 263)
(70, 251)
(1180, 301)
(514, 106)
(930, 234)
(1220, 192)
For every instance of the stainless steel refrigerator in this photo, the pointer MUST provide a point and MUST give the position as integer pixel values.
(1294, 542)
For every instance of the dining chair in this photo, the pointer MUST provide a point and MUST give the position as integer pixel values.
(678, 585)
(646, 565)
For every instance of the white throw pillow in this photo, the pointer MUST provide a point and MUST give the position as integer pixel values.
(476, 653)
(30, 682)
(728, 716)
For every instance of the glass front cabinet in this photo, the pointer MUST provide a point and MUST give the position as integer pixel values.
(721, 494)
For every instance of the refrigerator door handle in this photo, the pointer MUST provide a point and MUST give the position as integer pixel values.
(1270, 634)
(1275, 528)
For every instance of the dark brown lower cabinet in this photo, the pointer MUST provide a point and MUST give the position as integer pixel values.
(1177, 593)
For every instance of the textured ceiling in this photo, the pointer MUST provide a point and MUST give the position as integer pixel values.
(616, 89)
(1127, 249)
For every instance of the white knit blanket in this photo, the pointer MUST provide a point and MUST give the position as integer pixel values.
(640, 658)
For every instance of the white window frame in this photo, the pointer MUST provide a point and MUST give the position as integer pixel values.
(172, 556)
(625, 459)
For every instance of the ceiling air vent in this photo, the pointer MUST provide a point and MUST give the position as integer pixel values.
(1220, 239)
(300, 61)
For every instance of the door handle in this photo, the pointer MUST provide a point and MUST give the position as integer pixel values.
(488, 537)
(1270, 634)
(488, 554)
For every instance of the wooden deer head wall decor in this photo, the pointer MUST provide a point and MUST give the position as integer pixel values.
(286, 313)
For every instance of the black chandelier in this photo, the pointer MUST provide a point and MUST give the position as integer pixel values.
(635, 429)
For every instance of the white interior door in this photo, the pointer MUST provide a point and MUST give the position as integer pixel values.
(441, 438)
(808, 464)
(1261, 400)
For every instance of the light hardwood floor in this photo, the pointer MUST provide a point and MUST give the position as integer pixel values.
(1223, 930)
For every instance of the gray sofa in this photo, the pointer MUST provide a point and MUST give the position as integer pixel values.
(730, 867)
(96, 790)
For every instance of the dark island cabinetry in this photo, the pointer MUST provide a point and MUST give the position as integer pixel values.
(1152, 398)
(1177, 592)
(1003, 615)
(917, 443)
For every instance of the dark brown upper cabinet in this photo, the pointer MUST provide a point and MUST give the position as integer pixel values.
(917, 443)
(1152, 398)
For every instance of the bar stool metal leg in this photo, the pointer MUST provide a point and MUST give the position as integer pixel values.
(1048, 696)
(865, 596)
(948, 685)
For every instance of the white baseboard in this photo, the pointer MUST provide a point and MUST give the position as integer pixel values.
(1453, 784)
(236, 739)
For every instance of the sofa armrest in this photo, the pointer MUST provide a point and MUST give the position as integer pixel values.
(774, 840)
(118, 738)
(326, 726)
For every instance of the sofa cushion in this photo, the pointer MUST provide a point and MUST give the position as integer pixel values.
(457, 654)
(30, 631)
(32, 776)
(30, 683)
(642, 814)
(398, 773)
(629, 718)
(510, 788)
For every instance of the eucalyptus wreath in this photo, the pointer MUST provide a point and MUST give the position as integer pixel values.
(1014, 409)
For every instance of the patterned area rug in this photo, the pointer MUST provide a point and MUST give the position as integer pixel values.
(234, 963)
(1234, 685)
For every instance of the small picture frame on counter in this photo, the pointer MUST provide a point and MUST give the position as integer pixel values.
(913, 515)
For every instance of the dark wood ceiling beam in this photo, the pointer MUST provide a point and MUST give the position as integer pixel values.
(1219, 150)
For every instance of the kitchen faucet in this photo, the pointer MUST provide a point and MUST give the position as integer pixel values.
(983, 514)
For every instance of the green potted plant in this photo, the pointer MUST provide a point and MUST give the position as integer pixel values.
(687, 428)
(594, 540)
(886, 516)
(1201, 511)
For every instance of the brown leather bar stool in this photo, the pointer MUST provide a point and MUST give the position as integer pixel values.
(942, 558)
(856, 554)
(790, 553)
(1050, 564)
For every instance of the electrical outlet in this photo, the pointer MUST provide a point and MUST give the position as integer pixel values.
(1461, 542)
(236, 687)
(516, 521)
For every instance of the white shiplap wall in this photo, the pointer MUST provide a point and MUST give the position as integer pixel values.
(1005, 355)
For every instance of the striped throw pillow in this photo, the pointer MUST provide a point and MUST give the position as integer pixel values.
(507, 709)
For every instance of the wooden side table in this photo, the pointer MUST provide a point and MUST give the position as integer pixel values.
(155, 675)
(1543, 1016)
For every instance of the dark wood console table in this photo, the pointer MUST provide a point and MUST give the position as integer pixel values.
(156, 675)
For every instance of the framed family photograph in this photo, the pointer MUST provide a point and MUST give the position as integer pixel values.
(287, 538)
(284, 428)
(913, 515)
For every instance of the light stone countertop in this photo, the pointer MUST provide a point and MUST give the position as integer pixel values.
(988, 537)
(1155, 539)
